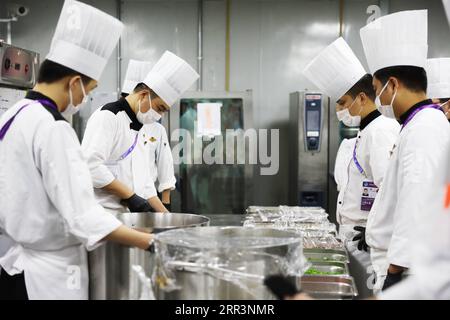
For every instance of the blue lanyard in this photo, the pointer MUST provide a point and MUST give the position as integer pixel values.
(8, 123)
(130, 149)
(355, 160)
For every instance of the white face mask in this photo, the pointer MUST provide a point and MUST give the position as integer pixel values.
(71, 109)
(148, 117)
(347, 118)
(386, 110)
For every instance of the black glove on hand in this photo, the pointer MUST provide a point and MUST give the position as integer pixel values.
(137, 204)
(392, 279)
(168, 206)
(361, 238)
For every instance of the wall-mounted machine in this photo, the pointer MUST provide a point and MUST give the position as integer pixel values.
(317, 134)
(18, 73)
(309, 117)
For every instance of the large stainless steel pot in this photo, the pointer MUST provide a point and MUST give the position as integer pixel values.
(223, 262)
(120, 272)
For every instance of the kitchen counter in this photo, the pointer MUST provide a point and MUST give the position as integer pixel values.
(225, 219)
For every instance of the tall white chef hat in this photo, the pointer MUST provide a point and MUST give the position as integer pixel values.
(335, 70)
(438, 74)
(136, 72)
(84, 38)
(170, 77)
(398, 39)
(447, 9)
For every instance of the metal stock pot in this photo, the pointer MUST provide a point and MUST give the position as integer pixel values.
(223, 262)
(121, 272)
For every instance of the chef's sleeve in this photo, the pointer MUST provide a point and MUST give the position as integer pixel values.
(164, 162)
(68, 184)
(97, 145)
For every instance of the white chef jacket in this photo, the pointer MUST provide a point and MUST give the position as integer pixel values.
(419, 152)
(343, 158)
(110, 133)
(158, 149)
(431, 254)
(373, 143)
(47, 206)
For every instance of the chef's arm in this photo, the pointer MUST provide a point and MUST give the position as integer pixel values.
(394, 269)
(130, 237)
(165, 196)
(123, 192)
(157, 205)
(118, 189)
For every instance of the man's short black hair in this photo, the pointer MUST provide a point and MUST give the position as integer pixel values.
(142, 86)
(363, 85)
(50, 72)
(413, 78)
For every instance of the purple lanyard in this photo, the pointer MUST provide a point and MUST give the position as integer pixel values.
(8, 123)
(130, 149)
(413, 114)
(355, 160)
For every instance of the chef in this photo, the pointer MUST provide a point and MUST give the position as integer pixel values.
(400, 82)
(430, 247)
(156, 144)
(136, 72)
(339, 74)
(438, 73)
(48, 209)
(114, 142)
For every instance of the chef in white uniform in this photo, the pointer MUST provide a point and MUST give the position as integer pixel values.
(430, 247)
(115, 145)
(156, 144)
(338, 73)
(438, 73)
(400, 82)
(48, 209)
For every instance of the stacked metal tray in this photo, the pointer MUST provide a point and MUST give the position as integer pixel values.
(328, 275)
(329, 287)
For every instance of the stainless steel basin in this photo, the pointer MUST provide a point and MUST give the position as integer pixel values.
(223, 262)
(121, 272)
(329, 287)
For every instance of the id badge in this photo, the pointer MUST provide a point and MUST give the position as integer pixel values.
(369, 192)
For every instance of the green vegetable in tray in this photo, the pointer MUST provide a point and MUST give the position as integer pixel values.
(312, 271)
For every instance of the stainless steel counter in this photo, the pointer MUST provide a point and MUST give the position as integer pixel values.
(225, 219)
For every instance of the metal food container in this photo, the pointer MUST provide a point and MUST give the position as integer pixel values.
(329, 287)
(326, 255)
(223, 262)
(328, 268)
(119, 272)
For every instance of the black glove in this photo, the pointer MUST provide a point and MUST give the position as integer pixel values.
(392, 279)
(137, 204)
(281, 286)
(361, 238)
(151, 247)
(168, 206)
